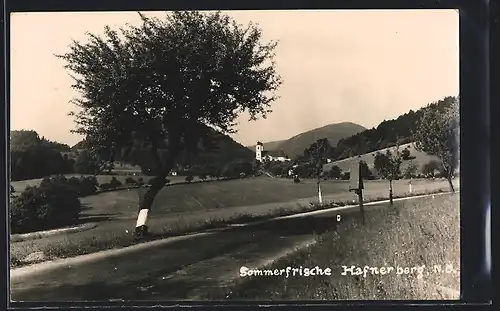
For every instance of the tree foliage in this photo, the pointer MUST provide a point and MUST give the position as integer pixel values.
(388, 133)
(365, 171)
(406, 154)
(235, 168)
(168, 82)
(51, 205)
(34, 157)
(410, 170)
(388, 164)
(87, 163)
(438, 134)
(429, 169)
(317, 154)
(335, 172)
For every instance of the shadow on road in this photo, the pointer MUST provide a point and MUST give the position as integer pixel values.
(300, 225)
(96, 218)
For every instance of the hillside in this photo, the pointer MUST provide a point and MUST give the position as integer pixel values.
(270, 145)
(25, 139)
(421, 158)
(333, 132)
(387, 133)
(226, 150)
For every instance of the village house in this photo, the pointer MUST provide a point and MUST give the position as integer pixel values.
(271, 155)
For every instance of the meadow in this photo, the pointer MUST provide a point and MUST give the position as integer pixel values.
(121, 175)
(220, 195)
(183, 208)
(421, 233)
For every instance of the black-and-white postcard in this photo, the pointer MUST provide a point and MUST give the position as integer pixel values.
(235, 155)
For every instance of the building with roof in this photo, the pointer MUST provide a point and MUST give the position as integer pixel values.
(271, 155)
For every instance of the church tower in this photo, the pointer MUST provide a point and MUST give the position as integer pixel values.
(258, 151)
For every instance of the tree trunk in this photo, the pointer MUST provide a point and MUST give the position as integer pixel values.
(145, 204)
(390, 192)
(451, 184)
(157, 183)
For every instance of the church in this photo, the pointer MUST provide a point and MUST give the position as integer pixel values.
(272, 155)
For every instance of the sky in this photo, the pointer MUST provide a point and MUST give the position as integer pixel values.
(337, 66)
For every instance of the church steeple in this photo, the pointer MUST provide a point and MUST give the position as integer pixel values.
(259, 148)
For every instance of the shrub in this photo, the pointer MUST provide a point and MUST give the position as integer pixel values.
(130, 181)
(23, 213)
(115, 183)
(88, 185)
(105, 186)
(189, 178)
(75, 183)
(12, 190)
(44, 181)
(296, 179)
(346, 175)
(86, 163)
(140, 181)
(51, 205)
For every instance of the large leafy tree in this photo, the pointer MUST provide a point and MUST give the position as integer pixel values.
(169, 83)
(438, 134)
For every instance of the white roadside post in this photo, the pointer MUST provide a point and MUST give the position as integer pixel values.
(319, 195)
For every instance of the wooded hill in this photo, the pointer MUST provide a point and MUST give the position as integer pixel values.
(386, 134)
(295, 145)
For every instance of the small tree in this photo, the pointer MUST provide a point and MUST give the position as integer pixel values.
(346, 175)
(169, 83)
(429, 169)
(410, 170)
(318, 153)
(86, 163)
(438, 135)
(388, 166)
(406, 154)
(365, 171)
(335, 172)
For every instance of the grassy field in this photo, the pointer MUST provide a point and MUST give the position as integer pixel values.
(186, 208)
(21, 184)
(415, 233)
(245, 192)
(421, 158)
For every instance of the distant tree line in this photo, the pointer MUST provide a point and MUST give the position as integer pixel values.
(32, 156)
